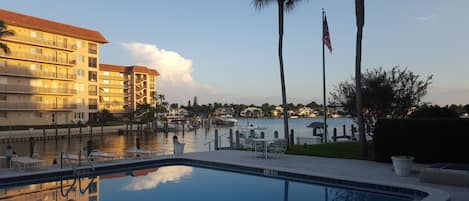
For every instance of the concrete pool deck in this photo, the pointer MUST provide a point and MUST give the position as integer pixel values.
(343, 169)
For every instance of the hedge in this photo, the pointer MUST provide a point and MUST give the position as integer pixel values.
(429, 141)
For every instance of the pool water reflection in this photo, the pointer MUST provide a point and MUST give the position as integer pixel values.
(179, 183)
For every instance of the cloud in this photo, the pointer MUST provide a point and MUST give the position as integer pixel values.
(161, 176)
(175, 80)
(426, 18)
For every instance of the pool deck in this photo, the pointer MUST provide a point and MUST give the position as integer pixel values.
(343, 169)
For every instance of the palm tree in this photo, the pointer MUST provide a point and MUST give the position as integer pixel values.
(283, 5)
(360, 17)
(4, 32)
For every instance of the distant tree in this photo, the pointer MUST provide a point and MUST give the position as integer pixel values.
(174, 106)
(386, 94)
(4, 32)
(434, 112)
(266, 108)
(313, 104)
(291, 106)
(102, 117)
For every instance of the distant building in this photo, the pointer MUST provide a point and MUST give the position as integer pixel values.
(307, 112)
(224, 111)
(177, 113)
(122, 88)
(277, 112)
(252, 112)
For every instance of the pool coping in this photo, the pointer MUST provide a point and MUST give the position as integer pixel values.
(394, 188)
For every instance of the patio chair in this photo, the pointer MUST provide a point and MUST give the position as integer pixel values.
(278, 147)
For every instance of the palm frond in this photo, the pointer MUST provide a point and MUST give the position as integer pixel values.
(291, 4)
(5, 48)
(260, 4)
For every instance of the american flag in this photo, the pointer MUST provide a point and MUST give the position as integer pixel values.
(326, 38)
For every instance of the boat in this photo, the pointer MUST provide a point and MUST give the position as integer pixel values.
(225, 120)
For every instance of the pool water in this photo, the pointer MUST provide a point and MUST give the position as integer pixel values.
(177, 183)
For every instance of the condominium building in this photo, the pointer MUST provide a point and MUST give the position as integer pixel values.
(50, 75)
(123, 88)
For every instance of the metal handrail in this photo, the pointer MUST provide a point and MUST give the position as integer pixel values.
(42, 41)
(20, 71)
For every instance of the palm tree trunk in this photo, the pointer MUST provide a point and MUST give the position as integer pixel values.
(360, 15)
(280, 59)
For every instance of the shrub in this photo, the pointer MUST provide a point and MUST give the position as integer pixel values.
(428, 140)
(434, 112)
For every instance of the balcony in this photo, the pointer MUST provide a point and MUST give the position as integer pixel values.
(36, 106)
(37, 58)
(24, 72)
(40, 42)
(111, 77)
(120, 86)
(111, 94)
(24, 89)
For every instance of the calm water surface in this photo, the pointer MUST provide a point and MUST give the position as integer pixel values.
(195, 140)
(179, 183)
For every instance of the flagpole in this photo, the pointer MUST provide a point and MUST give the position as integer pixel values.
(324, 79)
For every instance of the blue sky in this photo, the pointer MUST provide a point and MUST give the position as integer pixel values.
(225, 50)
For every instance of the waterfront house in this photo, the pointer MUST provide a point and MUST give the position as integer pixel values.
(252, 112)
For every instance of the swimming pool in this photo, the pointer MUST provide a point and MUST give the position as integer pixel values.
(184, 182)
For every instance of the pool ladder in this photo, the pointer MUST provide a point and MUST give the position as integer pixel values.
(76, 176)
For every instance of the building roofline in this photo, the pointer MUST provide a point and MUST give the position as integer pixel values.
(27, 21)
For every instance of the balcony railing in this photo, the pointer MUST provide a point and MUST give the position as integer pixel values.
(38, 57)
(19, 71)
(101, 93)
(111, 77)
(36, 106)
(40, 41)
(9, 88)
(112, 85)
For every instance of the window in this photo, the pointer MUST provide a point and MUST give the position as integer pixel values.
(121, 82)
(36, 50)
(80, 101)
(79, 115)
(3, 63)
(34, 34)
(106, 90)
(34, 67)
(80, 58)
(37, 99)
(93, 198)
(106, 99)
(105, 81)
(79, 44)
(3, 114)
(80, 72)
(92, 48)
(3, 80)
(92, 90)
(106, 73)
(121, 74)
(92, 104)
(92, 76)
(3, 97)
(92, 62)
(79, 86)
(37, 114)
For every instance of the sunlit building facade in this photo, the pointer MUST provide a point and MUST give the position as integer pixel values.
(123, 88)
(50, 75)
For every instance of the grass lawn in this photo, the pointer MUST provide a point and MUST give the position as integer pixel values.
(349, 150)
